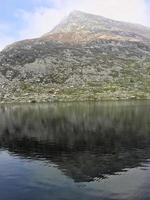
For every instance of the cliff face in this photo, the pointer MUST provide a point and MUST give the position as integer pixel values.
(84, 57)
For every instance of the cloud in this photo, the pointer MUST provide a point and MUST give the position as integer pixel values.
(5, 39)
(42, 20)
(124, 10)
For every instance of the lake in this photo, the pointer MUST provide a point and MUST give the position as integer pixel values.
(70, 151)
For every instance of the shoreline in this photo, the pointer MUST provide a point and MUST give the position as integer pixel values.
(68, 99)
(34, 93)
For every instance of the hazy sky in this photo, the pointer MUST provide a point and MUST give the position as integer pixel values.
(21, 19)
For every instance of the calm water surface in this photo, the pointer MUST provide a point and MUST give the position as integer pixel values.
(86, 151)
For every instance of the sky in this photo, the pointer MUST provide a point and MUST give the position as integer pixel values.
(22, 19)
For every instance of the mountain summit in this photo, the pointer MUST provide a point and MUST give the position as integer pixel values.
(83, 27)
(85, 57)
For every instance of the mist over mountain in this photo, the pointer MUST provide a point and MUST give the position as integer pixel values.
(85, 57)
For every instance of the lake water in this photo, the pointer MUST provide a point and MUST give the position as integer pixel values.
(75, 151)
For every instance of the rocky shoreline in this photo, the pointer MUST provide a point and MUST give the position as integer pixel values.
(40, 94)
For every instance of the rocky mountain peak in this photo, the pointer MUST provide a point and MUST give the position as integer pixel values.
(79, 26)
(81, 21)
(76, 13)
(85, 57)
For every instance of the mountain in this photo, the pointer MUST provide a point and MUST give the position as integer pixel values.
(85, 57)
(82, 27)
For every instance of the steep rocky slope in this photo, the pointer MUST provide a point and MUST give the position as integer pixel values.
(85, 57)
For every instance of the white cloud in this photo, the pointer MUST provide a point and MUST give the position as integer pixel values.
(5, 39)
(39, 22)
(124, 10)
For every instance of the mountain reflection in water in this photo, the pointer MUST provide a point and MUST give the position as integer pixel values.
(85, 141)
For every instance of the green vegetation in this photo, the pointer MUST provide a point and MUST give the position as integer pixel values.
(121, 89)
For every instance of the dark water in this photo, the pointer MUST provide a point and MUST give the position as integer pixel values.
(75, 151)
